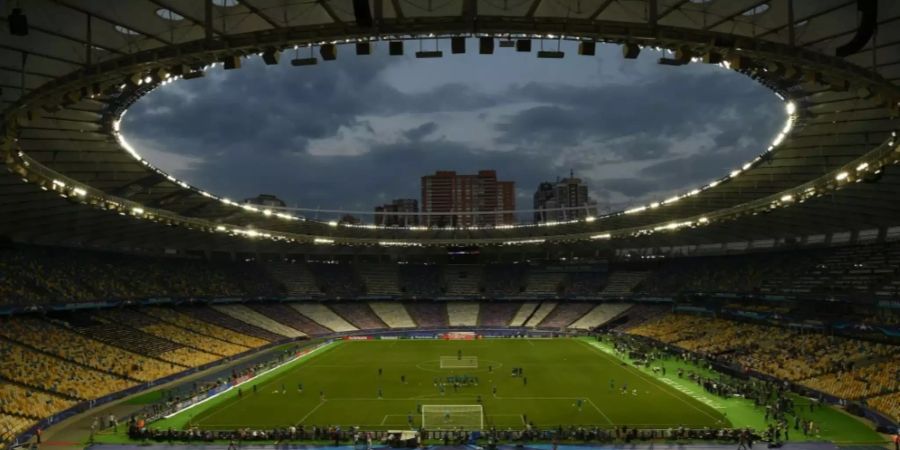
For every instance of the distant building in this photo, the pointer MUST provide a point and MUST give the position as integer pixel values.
(400, 205)
(551, 198)
(266, 200)
(449, 192)
(348, 219)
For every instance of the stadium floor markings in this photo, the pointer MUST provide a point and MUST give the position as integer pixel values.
(303, 419)
(655, 382)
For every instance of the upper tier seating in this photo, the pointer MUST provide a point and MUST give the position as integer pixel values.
(247, 315)
(428, 314)
(393, 314)
(462, 314)
(598, 316)
(545, 283)
(296, 278)
(621, 283)
(420, 281)
(359, 314)
(325, 317)
(337, 280)
(283, 313)
(586, 283)
(498, 314)
(380, 279)
(463, 279)
(564, 314)
(504, 279)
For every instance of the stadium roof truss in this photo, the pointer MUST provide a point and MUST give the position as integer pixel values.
(72, 179)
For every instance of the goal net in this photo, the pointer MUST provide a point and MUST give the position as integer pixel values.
(456, 362)
(446, 417)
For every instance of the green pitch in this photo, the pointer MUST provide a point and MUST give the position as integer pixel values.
(561, 375)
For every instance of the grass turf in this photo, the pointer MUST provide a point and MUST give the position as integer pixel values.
(559, 373)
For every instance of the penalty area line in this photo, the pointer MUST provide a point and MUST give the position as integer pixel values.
(303, 419)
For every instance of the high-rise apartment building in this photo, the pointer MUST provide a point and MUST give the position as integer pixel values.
(400, 205)
(456, 195)
(566, 199)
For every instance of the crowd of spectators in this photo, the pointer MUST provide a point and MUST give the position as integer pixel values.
(844, 367)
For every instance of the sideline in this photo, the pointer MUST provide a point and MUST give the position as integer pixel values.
(256, 377)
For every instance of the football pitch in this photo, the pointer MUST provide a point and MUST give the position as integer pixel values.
(563, 382)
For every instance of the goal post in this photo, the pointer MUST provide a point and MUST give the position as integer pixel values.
(459, 362)
(447, 417)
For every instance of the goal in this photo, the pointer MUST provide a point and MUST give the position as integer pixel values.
(447, 417)
(456, 362)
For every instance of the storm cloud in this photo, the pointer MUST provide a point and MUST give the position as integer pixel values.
(362, 130)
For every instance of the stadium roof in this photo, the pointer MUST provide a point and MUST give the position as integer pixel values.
(72, 180)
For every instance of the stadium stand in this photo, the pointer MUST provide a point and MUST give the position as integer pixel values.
(621, 283)
(39, 275)
(462, 314)
(889, 404)
(51, 374)
(284, 314)
(393, 314)
(523, 314)
(359, 314)
(380, 279)
(564, 314)
(323, 316)
(136, 341)
(71, 346)
(600, 315)
(231, 329)
(420, 281)
(29, 402)
(540, 314)
(296, 278)
(245, 314)
(504, 279)
(498, 314)
(586, 283)
(11, 426)
(544, 283)
(170, 320)
(463, 279)
(337, 280)
(428, 314)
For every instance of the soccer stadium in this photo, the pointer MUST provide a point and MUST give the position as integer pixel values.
(142, 307)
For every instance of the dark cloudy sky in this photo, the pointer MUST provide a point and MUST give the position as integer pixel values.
(360, 131)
